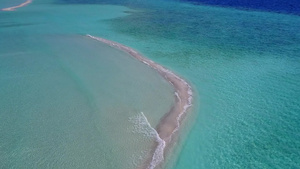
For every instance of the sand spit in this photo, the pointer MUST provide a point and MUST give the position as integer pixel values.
(18, 6)
(170, 123)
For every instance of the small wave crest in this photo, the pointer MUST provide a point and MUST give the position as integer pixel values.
(142, 126)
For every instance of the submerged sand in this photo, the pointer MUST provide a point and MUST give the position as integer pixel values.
(170, 123)
(18, 6)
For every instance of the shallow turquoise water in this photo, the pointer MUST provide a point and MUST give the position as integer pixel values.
(68, 101)
(244, 67)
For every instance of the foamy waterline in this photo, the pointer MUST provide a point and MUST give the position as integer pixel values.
(143, 126)
(18, 6)
(170, 123)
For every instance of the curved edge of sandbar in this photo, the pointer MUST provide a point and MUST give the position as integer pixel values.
(170, 123)
(18, 6)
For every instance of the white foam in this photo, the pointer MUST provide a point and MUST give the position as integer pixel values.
(142, 126)
(185, 107)
(177, 95)
(18, 6)
(146, 63)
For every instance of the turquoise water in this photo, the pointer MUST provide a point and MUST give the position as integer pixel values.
(68, 101)
(244, 67)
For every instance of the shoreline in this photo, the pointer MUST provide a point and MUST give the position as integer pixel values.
(170, 122)
(18, 6)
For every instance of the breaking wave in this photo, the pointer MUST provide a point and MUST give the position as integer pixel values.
(142, 126)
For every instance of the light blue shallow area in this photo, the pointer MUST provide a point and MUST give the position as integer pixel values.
(68, 101)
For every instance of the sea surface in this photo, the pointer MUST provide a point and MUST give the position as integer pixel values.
(68, 101)
(286, 6)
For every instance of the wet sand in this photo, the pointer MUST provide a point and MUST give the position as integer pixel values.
(18, 6)
(170, 123)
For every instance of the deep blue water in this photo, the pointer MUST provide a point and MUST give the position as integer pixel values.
(279, 6)
(285, 6)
